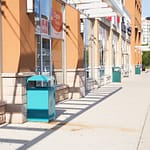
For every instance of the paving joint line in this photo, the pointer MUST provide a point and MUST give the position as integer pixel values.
(143, 127)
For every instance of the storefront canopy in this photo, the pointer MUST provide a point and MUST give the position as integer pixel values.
(96, 8)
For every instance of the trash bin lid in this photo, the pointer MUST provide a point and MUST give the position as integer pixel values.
(116, 68)
(40, 78)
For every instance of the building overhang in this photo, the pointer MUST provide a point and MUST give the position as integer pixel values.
(115, 6)
(96, 8)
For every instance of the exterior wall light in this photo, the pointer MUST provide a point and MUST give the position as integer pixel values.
(29, 6)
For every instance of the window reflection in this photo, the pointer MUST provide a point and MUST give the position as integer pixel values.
(42, 16)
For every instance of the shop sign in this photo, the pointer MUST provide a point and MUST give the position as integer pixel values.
(44, 26)
(56, 25)
(109, 18)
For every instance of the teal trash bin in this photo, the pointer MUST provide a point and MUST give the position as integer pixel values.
(137, 69)
(116, 74)
(41, 98)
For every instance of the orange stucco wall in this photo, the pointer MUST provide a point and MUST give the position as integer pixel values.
(18, 40)
(74, 42)
(56, 5)
(27, 40)
(57, 53)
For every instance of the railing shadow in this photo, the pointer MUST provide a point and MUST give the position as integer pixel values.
(77, 106)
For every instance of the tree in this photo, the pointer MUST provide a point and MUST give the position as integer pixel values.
(146, 58)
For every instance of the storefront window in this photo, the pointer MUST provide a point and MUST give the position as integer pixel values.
(114, 49)
(42, 30)
(48, 22)
(46, 54)
(38, 68)
(37, 15)
(43, 56)
(42, 16)
(101, 52)
(102, 45)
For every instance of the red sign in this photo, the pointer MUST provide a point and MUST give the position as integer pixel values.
(118, 19)
(44, 26)
(109, 18)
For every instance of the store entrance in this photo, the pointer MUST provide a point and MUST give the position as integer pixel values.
(44, 62)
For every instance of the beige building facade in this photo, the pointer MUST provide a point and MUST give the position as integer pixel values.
(80, 54)
(135, 10)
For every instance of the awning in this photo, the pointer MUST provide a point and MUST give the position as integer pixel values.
(115, 6)
(96, 8)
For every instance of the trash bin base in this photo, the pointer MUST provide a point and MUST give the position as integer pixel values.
(40, 116)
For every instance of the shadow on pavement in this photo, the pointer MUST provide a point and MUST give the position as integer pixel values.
(66, 111)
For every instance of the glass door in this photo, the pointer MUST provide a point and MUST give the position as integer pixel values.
(44, 56)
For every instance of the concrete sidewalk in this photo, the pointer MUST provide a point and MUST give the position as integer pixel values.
(114, 117)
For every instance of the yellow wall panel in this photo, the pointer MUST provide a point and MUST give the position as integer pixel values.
(18, 39)
(75, 53)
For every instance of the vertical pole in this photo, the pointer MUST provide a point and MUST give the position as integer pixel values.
(92, 48)
(51, 65)
(85, 38)
(41, 53)
(64, 46)
(51, 62)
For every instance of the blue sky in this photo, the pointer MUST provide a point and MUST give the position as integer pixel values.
(146, 8)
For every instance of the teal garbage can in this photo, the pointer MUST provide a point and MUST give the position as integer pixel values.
(41, 98)
(137, 69)
(116, 74)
